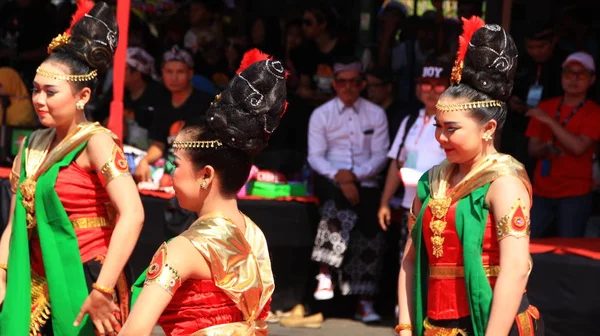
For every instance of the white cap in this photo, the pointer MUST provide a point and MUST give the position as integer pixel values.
(583, 58)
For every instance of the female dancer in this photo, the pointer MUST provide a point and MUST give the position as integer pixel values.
(65, 245)
(215, 278)
(466, 264)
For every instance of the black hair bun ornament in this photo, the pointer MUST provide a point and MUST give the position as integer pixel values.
(491, 62)
(247, 112)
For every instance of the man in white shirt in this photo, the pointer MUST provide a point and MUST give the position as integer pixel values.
(347, 143)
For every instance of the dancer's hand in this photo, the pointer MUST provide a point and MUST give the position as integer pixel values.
(384, 215)
(101, 308)
(350, 191)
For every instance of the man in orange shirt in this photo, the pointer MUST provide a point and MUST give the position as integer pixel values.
(563, 132)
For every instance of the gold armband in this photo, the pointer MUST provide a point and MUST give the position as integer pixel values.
(14, 181)
(103, 290)
(515, 224)
(116, 166)
(402, 326)
(4, 267)
(162, 273)
(412, 219)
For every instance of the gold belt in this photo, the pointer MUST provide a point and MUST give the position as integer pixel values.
(450, 272)
(432, 330)
(91, 222)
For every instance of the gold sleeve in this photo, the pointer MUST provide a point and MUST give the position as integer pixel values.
(515, 223)
(115, 167)
(160, 272)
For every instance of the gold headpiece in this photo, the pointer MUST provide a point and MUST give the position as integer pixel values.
(71, 78)
(197, 144)
(59, 40)
(468, 106)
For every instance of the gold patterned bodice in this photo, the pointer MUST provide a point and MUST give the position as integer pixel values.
(240, 266)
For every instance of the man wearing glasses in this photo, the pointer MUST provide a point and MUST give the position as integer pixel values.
(563, 132)
(347, 142)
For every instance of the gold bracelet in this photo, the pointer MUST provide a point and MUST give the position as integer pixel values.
(103, 290)
(402, 326)
(4, 267)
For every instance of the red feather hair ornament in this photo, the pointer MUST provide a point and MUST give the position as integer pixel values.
(83, 7)
(470, 26)
(252, 56)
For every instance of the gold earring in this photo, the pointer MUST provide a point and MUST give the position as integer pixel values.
(203, 184)
(80, 105)
(487, 137)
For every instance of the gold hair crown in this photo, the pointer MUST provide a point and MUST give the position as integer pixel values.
(468, 106)
(197, 144)
(71, 78)
(59, 40)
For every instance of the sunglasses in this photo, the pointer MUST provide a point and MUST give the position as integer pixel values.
(576, 74)
(356, 81)
(425, 87)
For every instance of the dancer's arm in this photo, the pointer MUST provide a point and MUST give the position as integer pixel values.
(509, 201)
(124, 196)
(405, 279)
(106, 158)
(182, 256)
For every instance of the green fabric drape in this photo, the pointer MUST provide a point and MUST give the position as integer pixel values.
(62, 261)
(470, 220)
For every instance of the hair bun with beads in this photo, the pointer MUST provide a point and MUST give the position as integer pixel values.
(247, 112)
(490, 62)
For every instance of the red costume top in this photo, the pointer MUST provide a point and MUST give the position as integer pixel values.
(85, 200)
(447, 295)
(236, 301)
(199, 304)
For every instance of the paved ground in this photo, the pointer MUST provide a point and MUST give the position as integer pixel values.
(331, 327)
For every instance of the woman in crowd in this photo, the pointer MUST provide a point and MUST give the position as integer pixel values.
(467, 262)
(77, 214)
(215, 278)
(15, 104)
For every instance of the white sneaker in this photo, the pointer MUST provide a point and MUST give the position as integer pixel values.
(366, 313)
(324, 288)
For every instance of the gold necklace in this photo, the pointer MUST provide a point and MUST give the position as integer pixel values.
(439, 209)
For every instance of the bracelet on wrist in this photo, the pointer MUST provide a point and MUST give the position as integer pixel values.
(4, 267)
(402, 326)
(103, 290)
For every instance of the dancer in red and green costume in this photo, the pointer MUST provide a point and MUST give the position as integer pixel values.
(76, 213)
(466, 265)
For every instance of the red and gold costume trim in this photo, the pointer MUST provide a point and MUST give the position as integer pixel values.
(116, 166)
(515, 224)
(40, 305)
(89, 223)
(526, 323)
(452, 272)
(161, 273)
(431, 330)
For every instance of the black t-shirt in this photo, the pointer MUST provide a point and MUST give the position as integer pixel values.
(310, 61)
(144, 108)
(169, 120)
